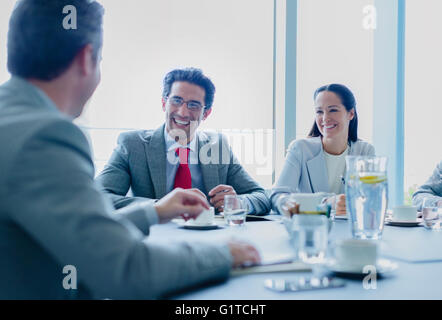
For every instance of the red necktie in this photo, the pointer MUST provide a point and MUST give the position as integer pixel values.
(183, 179)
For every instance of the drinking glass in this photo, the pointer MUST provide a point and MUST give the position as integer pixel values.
(309, 237)
(235, 210)
(366, 191)
(430, 214)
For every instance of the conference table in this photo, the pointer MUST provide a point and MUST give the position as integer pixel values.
(416, 251)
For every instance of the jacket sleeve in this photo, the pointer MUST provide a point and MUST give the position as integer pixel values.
(432, 188)
(288, 180)
(53, 198)
(115, 179)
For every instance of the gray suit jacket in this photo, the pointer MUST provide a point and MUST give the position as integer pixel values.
(305, 169)
(432, 188)
(139, 163)
(52, 214)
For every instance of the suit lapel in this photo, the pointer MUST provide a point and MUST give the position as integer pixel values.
(350, 153)
(318, 173)
(209, 171)
(156, 160)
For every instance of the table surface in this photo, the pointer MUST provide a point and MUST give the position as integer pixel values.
(417, 252)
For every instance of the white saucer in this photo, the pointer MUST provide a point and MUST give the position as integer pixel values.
(403, 223)
(195, 226)
(383, 266)
(342, 217)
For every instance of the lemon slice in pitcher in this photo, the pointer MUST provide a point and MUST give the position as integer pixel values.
(372, 179)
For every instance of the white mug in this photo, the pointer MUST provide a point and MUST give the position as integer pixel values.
(405, 213)
(356, 253)
(308, 201)
(206, 217)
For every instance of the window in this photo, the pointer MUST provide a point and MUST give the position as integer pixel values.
(6, 7)
(143, 40)
(334, 47)
(423, 108)
(234, 45)
(231, 43)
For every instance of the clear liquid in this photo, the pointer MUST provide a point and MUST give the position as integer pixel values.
(310, 244)
(235, 217)
(367, 201)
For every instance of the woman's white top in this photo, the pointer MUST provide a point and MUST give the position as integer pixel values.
(335, 169)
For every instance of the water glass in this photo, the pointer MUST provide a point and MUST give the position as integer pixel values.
(366, 191)
(309, 237)
(235, 210)
(430, 214)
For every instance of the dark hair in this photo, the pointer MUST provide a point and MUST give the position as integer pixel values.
(191, 75)
(349, 102)
(40, 47)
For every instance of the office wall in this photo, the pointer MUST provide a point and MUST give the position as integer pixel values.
(230, 42)
(334, 47)
(5, 12)
(234, 46)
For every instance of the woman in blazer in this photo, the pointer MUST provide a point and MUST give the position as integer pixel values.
(317, 163)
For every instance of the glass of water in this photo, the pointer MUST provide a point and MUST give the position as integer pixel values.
(430, 214)
(309, 237)
(366, 191)
(235, 210)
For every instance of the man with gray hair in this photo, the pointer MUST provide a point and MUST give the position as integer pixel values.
(52, 213)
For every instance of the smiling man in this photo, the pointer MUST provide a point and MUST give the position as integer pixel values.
(153, 162)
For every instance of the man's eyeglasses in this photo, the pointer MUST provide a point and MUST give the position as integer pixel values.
(192, 105)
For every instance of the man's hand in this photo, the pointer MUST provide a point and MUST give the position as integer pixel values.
(243, 253)
(340, 205)
(187, 203)
(217, 195)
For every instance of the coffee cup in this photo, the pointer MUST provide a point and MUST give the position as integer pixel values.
(355, 254)
(405, 213)
(206, 217)
(308, 202)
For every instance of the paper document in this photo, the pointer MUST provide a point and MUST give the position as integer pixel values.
(295, 266)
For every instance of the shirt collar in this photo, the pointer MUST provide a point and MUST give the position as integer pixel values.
(343, 154)
(30, 91)
(173, 145)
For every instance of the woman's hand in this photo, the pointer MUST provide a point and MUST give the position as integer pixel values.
(340, 205)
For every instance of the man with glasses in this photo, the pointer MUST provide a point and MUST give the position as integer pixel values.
(153, 162)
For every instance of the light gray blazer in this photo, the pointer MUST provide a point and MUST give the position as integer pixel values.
(305, 168)
(139, 163)
(432, 188)
(52, 214)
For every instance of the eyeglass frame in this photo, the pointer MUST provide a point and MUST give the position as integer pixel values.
(186, 103)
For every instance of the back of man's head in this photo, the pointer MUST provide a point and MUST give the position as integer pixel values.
(45, 36)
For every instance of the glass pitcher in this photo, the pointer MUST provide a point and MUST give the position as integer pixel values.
(366, 191)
